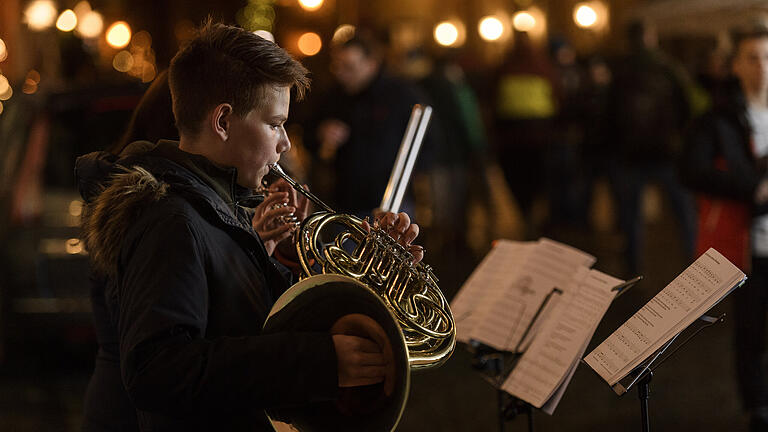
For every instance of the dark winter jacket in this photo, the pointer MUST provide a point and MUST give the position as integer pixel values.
(718, 158)
(184, 287)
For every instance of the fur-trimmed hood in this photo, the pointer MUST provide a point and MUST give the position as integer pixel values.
(108, 216)
(117, 189)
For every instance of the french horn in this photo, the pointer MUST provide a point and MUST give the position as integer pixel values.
(348, 269)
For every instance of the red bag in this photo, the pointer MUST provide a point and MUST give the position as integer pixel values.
(724, 225)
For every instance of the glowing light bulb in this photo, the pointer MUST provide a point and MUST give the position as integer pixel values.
(67, 21)
(310, 44)
(119, 34)
(91, 25)
(311, 5)
(123, 61)
(585, 16)
(40, 14)
(343, 33)
(446, 34)
(523, 21)
(491, 28)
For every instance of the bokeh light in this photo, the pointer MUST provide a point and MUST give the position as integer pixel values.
(6, 92)
(91, 25)
(123, 61)
(31, 82)
(148, 72)
(446, 34)
(40, 14)
(523, 21)
(311, 5)
(1, 107)
(3, 51)
(74, 246)
(491, 28)
(141, 40)
(81, 9)
(310, 44)
(585, 16)
(343, 33)
(67, 21)
(119, 35)
(265, 35)
(4, 84)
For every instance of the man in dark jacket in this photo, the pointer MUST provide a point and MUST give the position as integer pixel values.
(359, 124)
(726, 160)
(187, 282)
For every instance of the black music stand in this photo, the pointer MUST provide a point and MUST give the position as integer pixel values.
(643, 374)
(496, 365)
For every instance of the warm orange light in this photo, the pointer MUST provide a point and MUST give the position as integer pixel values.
(585, 16)
(7, 92)
(343, 33)
(40, 14)
(310, 44)
(74, 246)
(123, 61)
(91, 25)
(591, 15)
(119, 34)
(81, 9)
(67, 21)
(142, 40)
(33, 76)
(446, 33)
(4, 84)
(311, 5)
(148, 72)
(3, 51)
(1, 107)
(523, 21)
(491, 28)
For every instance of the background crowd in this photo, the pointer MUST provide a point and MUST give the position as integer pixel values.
(641, 155)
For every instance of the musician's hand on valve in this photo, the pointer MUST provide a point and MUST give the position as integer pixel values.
(400, 228)
(267, 220)
(295, 199)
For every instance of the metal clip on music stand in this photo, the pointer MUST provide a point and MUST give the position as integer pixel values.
(643, 374)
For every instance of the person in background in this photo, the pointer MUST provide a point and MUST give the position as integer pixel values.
(525, 108)
(359, 124)
(725, 162)
(648, 108)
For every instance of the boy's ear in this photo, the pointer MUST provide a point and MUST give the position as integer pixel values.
(220, 120)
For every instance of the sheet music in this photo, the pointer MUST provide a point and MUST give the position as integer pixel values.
(687, 297)
(507, 315)
(545, 369)
(491, 277)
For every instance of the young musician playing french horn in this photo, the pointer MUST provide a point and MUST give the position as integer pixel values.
(188, 282)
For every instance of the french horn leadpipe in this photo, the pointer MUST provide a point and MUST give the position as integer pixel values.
(375, 259)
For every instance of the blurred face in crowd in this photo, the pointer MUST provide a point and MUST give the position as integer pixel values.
(750, 65)
(257, 139)
(353, 68)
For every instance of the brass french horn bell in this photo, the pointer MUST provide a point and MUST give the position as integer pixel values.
(345, 270)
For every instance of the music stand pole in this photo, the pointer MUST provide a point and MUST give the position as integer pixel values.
(643, 391)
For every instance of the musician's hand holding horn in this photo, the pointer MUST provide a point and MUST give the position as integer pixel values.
(279, 214)
(400, 228)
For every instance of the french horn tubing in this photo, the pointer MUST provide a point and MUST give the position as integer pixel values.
(329, 242)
